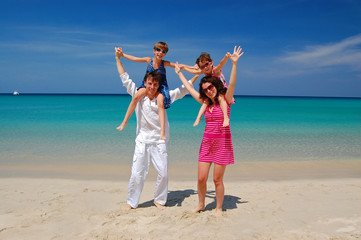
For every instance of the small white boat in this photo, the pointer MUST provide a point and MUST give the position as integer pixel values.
(15, 93)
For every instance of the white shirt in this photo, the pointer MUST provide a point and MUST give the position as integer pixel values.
(148, 123)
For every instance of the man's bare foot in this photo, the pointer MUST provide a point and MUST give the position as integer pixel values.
(226, 122)
(158, 205)
(196, 122)
(199, 208)
(122, 126)
(126, 208)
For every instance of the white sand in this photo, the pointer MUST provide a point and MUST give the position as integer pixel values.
(282, 207)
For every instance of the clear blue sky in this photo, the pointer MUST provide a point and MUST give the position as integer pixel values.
(292, 48)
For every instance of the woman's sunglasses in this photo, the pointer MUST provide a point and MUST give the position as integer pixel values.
(209, 88)
(160, 50)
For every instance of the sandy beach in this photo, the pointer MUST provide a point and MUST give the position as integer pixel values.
(294, 200)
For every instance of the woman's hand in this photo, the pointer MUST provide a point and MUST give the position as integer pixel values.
(237, 52)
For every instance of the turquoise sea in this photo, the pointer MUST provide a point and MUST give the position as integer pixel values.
(81, 129)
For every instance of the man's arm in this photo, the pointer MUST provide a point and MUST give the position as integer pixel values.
(118, 54)
(127, 82)
(180, 92)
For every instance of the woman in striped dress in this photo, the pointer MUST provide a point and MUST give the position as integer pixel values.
(216, 145)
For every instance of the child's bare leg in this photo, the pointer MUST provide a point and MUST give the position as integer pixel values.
(223, 104)
(202, 110)
(140, 94)
(161, 111)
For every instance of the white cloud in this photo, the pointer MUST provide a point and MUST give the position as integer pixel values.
(344, 53)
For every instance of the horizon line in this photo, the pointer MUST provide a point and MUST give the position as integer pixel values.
(120, 94)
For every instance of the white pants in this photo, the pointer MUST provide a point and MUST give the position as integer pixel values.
(143, 154)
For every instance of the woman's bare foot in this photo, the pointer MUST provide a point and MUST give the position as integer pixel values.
(158, 205)
(122, 126)
(196, 122)
(199, 208)
(219, 213)
(226, 122)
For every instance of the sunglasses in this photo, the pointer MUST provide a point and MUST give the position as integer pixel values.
(205, 65)
(160, 50)
(209, 88)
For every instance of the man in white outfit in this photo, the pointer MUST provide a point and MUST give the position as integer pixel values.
(148, 145)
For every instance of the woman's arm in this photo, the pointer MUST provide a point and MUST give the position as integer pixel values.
(188, 86)
(237, 52)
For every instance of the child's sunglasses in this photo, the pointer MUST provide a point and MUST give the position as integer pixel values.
(160, 50)
(205, 65)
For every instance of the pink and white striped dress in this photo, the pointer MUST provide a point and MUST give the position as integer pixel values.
(217, 144)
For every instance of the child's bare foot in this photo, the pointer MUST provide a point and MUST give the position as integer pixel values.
(158, 205)
(199, 208)
(226, 122)
(122, 126)
(196, 122)
(162, 137)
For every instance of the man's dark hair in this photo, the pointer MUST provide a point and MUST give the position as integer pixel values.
(154, 75)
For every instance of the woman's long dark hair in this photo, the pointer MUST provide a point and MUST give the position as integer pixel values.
(217, 83)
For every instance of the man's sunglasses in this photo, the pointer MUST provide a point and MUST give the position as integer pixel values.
(160, 50)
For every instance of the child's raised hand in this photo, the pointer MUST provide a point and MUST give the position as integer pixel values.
(237, 52)
(118, 52)
(228, 55)
(196, 67)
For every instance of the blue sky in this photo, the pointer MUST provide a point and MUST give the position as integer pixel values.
(292, 48)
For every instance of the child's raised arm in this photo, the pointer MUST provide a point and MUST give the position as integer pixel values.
(187, 68)
(135, 59)
(217, 69)
(191, 69)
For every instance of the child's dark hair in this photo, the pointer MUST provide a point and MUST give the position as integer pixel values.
(156, 76)
(217, 83)
(162, 45)
(204, 57)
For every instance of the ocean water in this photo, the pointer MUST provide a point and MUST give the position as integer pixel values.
(82, 129)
